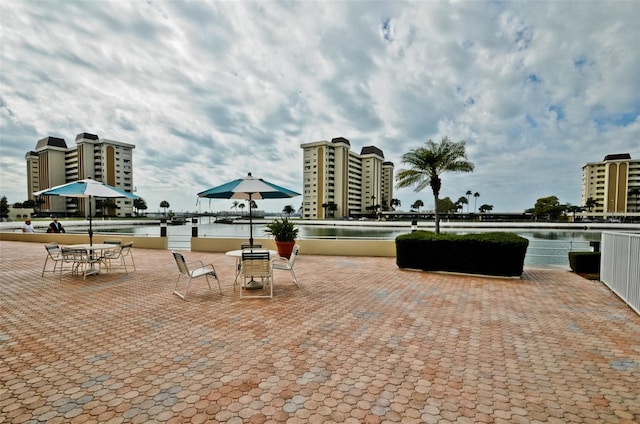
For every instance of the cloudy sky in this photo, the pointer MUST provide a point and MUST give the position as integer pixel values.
(208, 91)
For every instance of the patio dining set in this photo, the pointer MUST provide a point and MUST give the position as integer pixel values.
(252, 262)
(253, 270)
(89, 259)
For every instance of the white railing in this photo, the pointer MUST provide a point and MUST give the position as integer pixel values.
(620, 266)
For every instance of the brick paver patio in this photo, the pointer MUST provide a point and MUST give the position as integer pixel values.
(359, 342)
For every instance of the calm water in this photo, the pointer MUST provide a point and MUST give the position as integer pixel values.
(547, 248)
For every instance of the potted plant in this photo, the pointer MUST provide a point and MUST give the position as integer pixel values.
(285, 233)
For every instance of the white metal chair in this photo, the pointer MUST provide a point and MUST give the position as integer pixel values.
(255, 264)
(54, 254)
(113, 258)
(287, 264)
(127, 254)
(193, 270)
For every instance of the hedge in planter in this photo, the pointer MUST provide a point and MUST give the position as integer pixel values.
(585, 262)
(494, 253)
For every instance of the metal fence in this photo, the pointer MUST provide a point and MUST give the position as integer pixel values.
(620, 266)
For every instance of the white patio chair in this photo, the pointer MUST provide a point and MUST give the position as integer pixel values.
(255, 264)
(287, 264)
(54, 254)
(127, 254)
(113, 258)
(193, 270)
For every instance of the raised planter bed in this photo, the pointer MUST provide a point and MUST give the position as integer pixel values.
(496, 253)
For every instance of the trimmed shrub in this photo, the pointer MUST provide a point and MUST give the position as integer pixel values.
(496, 253)
(584, 262)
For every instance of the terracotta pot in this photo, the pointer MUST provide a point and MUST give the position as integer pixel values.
(285, 248)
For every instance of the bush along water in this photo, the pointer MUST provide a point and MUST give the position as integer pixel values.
(496, 253)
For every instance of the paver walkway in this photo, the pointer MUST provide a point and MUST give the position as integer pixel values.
(359, 342)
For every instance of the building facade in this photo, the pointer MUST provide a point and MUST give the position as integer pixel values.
(340, 183)
(54, 163)
(613, 185)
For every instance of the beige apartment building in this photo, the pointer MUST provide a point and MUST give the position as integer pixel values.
(340, 183)
(614, 184)
(54, 163)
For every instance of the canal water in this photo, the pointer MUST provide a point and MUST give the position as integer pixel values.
(547, 248)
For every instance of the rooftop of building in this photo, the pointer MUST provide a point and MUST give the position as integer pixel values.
(43, 143)
(617, 156)
(372, 150)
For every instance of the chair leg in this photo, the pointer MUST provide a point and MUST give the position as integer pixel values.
(295, 279)
(175, 290)
(270, 279)
(124, 263)
(133, 262)
(218, 280)
(45, 266)
(216, 277)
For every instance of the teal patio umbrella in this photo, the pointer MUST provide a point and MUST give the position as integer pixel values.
(88, 188)
(248, 188)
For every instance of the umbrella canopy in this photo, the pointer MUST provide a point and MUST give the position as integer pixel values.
(86, 188)
(248, 188)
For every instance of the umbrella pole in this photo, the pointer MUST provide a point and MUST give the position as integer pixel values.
(90, 226)
(250, 224)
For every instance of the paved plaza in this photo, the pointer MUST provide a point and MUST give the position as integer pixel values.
(360, 341)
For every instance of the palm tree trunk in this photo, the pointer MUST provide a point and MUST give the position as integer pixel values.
(435, 197)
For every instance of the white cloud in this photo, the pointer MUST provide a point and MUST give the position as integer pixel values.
(208, 91)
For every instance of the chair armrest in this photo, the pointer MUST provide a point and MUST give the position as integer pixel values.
(199, 264)
(279, 259)
(209, 267)
(205, 269)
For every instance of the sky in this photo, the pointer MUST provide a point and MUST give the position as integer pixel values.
(208, 91)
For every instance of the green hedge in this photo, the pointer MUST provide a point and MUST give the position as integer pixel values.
(585, 262)
(494, 253)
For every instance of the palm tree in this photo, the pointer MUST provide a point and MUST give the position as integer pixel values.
(234, 205)
(164, 204)
(475, 201)
(139, 204)
(468, 194)
(333, 207)
(288, 210)
(485, 208)
(324, 207)
(241, 206)
(417, 205)
(395, 203)
(590, 203)
(462, 201)
(428, 162)
(573, 209)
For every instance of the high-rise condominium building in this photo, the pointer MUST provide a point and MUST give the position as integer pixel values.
(614, 185)
(53, 163)
(341, 183)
